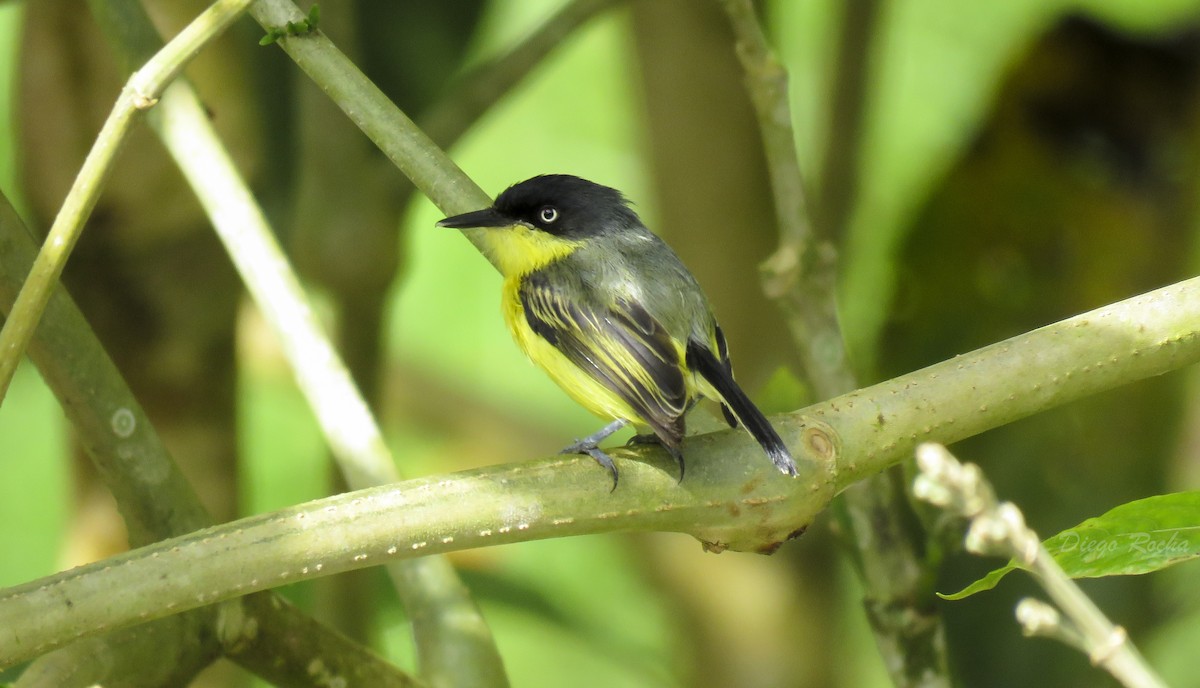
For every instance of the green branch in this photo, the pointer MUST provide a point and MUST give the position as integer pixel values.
(140, 92)
(731, 499)
(409, 148)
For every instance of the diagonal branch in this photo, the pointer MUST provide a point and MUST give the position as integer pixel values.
(483, 86)
(140, 92)
(409, 148)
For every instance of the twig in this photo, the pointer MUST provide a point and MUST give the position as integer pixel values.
(141, 91)
(998, 529)
(342, 414)
(482, 87)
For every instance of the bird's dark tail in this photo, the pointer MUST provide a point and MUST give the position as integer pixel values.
(718, 374)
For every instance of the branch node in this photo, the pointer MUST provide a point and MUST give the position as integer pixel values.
(1102, 653)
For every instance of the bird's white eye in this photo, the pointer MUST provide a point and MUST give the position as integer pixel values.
(548, 214)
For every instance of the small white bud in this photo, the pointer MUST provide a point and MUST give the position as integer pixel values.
(1037, 618)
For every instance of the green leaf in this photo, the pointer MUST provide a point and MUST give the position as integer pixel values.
(986, 583)
(1139, 537)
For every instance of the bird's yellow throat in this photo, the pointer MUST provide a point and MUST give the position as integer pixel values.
(518, 250)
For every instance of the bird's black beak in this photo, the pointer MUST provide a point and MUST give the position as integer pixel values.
(488, 217)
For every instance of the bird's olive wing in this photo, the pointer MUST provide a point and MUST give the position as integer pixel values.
(622, 346)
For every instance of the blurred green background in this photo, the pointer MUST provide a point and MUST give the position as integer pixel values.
(1018, 162)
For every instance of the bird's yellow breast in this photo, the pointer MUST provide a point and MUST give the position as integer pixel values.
(517, 251)
(583, 388)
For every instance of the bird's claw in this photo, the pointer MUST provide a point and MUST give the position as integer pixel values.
(651, 438)
(584, 446)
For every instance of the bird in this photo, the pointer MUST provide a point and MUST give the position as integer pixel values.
(609, 311)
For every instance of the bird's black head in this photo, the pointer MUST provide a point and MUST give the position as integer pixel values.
(559, 204)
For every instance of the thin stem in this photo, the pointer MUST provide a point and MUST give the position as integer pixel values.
(151, 80)
(341, 412)
(766, 81)
(141, 91)
(999, 529)
(482, 87)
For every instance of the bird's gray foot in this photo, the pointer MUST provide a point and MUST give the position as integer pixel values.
(590, 445)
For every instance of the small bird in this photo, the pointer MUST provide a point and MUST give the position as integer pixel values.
(609, 311)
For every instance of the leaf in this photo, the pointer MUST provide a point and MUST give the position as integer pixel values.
(1139, 537)
(986, 583)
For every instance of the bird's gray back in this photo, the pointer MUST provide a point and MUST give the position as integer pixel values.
(638, 266)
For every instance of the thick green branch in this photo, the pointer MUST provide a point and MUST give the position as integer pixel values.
(1131, 340)
(500, 504)
(731, 498)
